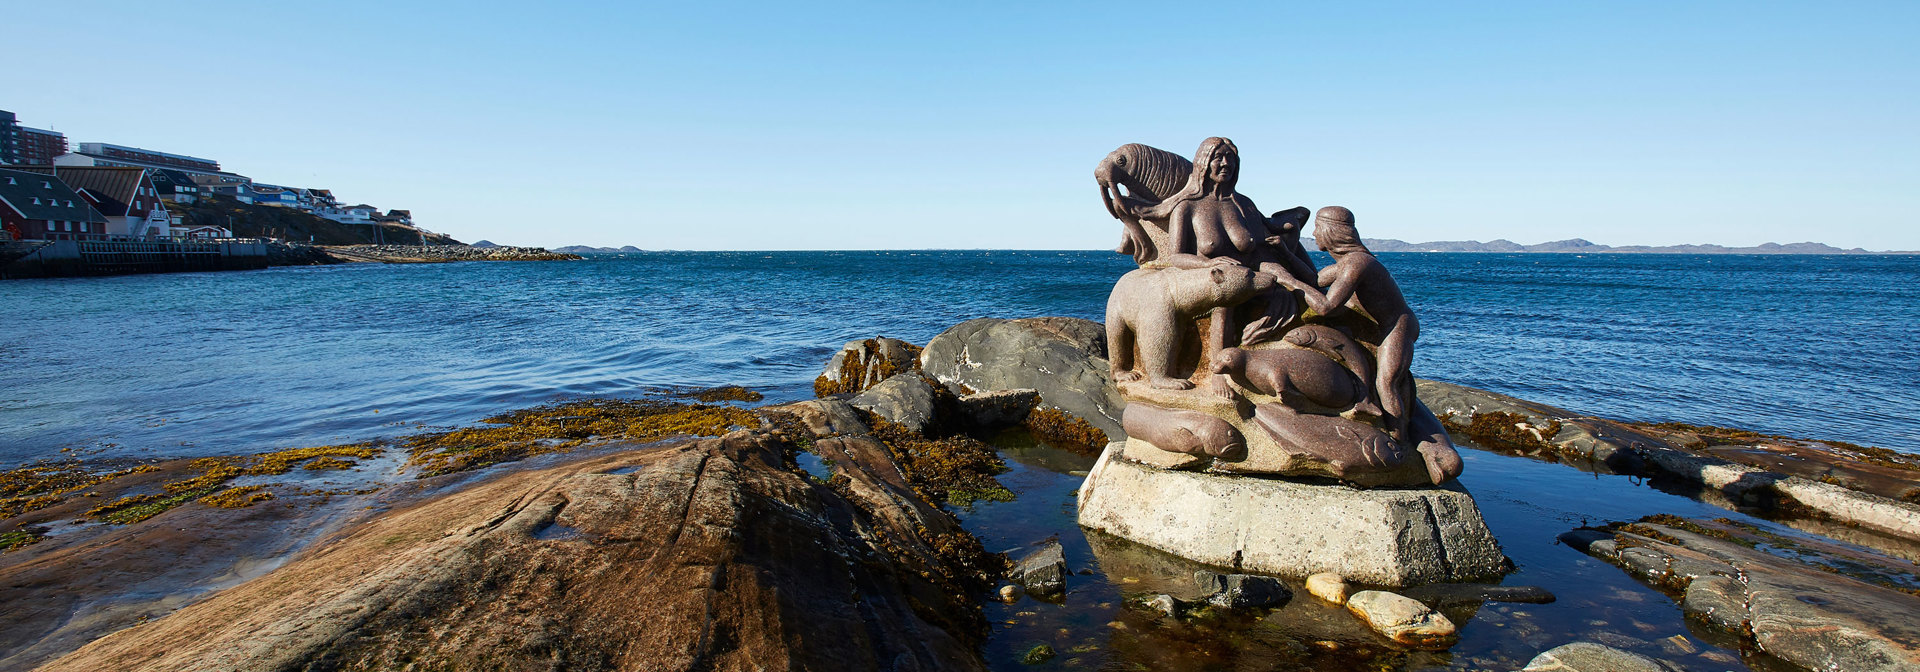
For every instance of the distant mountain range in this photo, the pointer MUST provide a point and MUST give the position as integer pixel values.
(1581, 245)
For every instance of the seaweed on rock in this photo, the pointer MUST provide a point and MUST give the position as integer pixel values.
(562, 427)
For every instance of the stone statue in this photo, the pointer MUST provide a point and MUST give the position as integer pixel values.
(1260, 388)
(1253, 380)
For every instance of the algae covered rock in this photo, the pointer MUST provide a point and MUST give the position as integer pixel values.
(862, 364)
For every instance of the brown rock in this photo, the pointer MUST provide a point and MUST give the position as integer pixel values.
(708, 555)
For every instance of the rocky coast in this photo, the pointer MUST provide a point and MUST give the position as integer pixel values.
(856, 531)
(421, 254)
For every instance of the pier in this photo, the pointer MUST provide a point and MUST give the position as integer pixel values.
(65, 258)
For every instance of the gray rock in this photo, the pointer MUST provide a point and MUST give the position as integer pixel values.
(1064, 359)
(1388, 537)
(1591, 657)
(1042, 571)
(905, 399)
(1402, 619)
(1000, 408)
(1242, 591)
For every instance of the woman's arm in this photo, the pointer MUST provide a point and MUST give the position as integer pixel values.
(1346, 276)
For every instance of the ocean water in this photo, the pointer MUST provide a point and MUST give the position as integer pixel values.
(153, 366)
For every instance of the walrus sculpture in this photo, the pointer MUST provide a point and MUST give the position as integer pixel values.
(1150, 175)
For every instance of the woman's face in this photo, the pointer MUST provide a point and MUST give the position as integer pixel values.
(1222, 166)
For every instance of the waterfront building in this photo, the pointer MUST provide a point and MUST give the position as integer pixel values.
(126, 196)
(34, 206)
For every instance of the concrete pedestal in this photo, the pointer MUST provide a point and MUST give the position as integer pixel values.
(1379, 536)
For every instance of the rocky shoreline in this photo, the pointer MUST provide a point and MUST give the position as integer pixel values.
(823, 535)
(297, 254)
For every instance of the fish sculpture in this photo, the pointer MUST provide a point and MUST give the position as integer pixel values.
(1148, 175)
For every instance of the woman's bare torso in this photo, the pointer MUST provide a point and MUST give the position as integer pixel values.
(1217, 228)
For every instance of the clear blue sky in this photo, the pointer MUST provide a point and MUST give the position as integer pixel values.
(964, 125)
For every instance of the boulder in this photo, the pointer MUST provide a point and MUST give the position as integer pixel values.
(1328, 586)
(708, 554)
(1402, 619)
(906, 399)
(1591, 657)
(1379, 536)
(1062, 358)
(1042, 571)
(862, 364)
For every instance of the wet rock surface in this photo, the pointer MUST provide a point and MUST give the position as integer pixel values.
(710, 554)
(1042, 571)
(1064, 359)
(1800, 609)
(1402, 619)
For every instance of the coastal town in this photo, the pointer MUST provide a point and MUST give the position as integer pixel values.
(98, 208)
(98, 191)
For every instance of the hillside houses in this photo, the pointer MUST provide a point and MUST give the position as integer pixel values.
(123, 192)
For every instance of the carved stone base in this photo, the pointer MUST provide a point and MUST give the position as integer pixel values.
(1378, 536)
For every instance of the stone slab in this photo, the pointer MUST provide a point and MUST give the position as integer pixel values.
(1379, 536)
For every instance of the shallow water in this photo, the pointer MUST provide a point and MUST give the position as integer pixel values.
(1527, 504)
(211, 363)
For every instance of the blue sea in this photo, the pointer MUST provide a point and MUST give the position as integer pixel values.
(155, 366)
